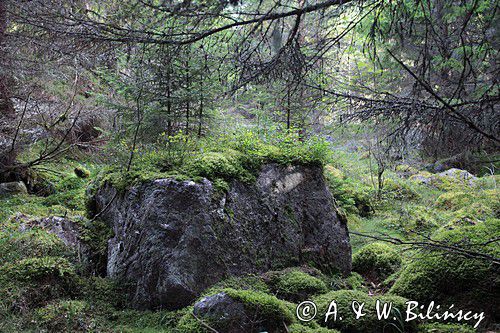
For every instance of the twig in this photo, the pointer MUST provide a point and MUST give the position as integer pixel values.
(204, 324)
(435, 245)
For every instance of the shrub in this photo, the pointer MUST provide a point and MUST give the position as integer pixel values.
(353, 196)
(366, 324)
(376, 261)
(30, 282)
(16, 245)
(295, 285)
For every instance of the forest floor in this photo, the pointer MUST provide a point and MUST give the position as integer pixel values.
(412, 206)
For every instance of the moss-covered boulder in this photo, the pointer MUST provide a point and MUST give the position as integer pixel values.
(174, 239)
(376, 261)
(238, 311)
(449, 278)
(368, 323)
(295, 285)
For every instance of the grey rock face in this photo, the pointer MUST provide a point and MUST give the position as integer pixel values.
(13, 188)
(173, 239)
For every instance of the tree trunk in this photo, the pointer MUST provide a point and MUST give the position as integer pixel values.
(8, 152)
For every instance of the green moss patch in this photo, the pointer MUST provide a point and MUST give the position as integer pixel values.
(446, 277)
(376, 261)
(295, 285)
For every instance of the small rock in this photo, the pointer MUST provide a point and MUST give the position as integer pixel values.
(224, 311)
(458, 174)
(13, 188)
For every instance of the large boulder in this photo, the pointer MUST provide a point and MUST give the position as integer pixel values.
(173, 239)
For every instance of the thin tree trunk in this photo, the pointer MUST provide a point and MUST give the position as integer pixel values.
(8, 154)
(188, 94)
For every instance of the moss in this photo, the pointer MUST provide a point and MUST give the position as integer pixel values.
(312, 328)
(406, 169)
(448, 278)
(250, 282)
(332, 171)
(188, 323)
(96, 234)
(453, 200)
(369, 322)
(399, 190)
(269, 311)
(295, 285)
(65, 316)
(444, 328)
(16, 245)
(353, 282)
(266, 307)
(417, 218)
(421, 176)
(376, 261)
(37, 268)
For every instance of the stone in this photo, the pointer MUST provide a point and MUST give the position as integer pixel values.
(225, 311)
(459, 175)
(173, 239)
(13, 188)
(67, 230)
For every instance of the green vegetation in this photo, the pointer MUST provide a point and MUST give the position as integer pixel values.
(376, 261)
(396, 101)
(447, 278)
(227, 157)
(267, 307)
(271, 311)
(445, 328)
(295, 285)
